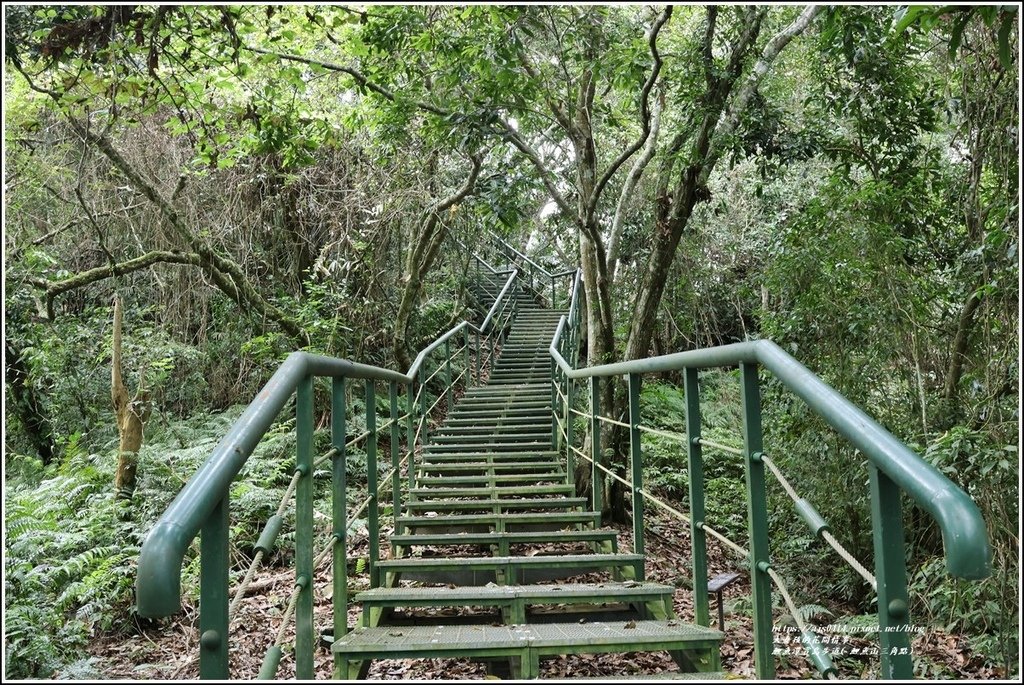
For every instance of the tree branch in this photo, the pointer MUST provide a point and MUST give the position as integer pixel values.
(546, 175)
(707, 48)
(645, 112)
(618, 222)
(559, 113)
(731, 117)
(359, 78)
(54, 288)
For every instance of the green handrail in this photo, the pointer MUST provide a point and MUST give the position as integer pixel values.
(201, 507)
(964, 535)
(503, 245)
(893, 468)
(158, 584)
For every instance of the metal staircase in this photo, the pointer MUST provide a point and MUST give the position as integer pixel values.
(488, 524)
(489, 490)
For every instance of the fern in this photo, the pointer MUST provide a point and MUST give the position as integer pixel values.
(809, 612)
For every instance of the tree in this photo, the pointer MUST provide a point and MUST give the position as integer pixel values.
(691, 156)
(131, 413)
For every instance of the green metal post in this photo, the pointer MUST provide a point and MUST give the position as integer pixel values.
(891, 572)
(304, 529)
(465, 338)
(570, 460)
(476, 357)
(339, 515)
(372, 515)
(490, 358)
(423, 404)
(213, 594)
(695, 464)
(757, 523)
(596, 475)
(396, 459)
(636, 464)
(447, 377)
(410, 431)
(553, 304)
(554, 398)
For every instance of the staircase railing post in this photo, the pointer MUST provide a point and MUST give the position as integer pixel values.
(554, 405)
(424, 423)
(447, 377)
(410, 430)
(490, 357)
(596, 476)
(891, 571)
(213, 594)
(476, 357)
(396, 460)
(570, 457)
(636, 464)
(372, 515)
(757, 522)
(698, 539)
(554, 305)
(304, 529)
(465, 346)
(339, 516)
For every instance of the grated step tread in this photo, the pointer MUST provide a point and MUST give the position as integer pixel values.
(588, 561)
(545, 593)
(494, 538)
(542, 636)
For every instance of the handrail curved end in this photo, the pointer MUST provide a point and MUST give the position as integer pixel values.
(964, 535)
(158, 582)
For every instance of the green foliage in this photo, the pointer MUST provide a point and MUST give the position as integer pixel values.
(665, 458)
(68, 575)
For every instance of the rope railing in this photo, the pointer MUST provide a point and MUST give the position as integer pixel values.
(681, 437)
(426, 414)
(818, 656)
(272, 528)
(274, 652)
(438, 370)
(265, 543)
(704, 442)
(817, 524)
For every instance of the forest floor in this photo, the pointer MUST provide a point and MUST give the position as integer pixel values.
(169, 650)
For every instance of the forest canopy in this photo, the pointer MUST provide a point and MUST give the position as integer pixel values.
(191, 192)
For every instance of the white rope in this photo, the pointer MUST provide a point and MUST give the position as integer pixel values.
(826, 535)
(681, 437)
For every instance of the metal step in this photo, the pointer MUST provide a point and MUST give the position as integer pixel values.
(504, 540)
(509, 569)
(439, 455)
(493, 492)
(538, 444)
(537, 468)
(500, 438)
(508, 521)
(481, 428)
(451, 481)
(527, 644)
(495, 506)
(516, 597)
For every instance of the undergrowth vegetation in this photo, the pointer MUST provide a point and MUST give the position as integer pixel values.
(843, 181)
(71, 545)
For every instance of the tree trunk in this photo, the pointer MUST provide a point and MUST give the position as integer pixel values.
(950, 411)
(131, 415)
(426, 246)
